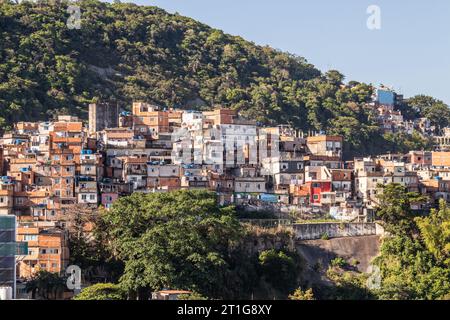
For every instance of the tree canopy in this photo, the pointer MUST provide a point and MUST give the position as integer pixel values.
(184, 240)
(101, 291)
(414, 259)
(395, 208)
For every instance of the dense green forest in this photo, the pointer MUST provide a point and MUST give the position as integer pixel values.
(126, 52)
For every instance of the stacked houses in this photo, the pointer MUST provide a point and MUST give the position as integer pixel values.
(47, 168)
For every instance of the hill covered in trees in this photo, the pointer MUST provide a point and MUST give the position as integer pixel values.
(126, 52)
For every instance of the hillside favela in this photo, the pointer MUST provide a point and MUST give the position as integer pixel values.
(147, 156)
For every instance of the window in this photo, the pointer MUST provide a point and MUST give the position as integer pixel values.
(54, 265)
(83, 197)
(316, 197)
(92, 197)
(30, 237)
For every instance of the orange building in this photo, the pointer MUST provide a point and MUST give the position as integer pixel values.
(67, 135)
(148, 120)
(6, 198)
(25, 127)
(441, 159)
(175, 118)
(221, 116)
(31, 204)
(47, 249)
(420, 158)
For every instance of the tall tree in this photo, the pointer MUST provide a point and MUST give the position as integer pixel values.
(395, 208)
(435, 232)
(179, 240)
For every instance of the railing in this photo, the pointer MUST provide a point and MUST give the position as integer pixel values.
(267, 223)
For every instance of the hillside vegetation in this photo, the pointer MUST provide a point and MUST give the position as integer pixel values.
(126, 52)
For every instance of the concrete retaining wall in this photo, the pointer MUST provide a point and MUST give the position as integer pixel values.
(335, 230)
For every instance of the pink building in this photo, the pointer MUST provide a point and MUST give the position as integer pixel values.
(108, 199)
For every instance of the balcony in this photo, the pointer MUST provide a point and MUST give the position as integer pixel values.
(197, 184)
(88, 161)
(137, 172)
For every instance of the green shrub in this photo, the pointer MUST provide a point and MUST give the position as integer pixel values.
(339, 262)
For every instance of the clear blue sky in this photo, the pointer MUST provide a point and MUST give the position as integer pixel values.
(411, 51)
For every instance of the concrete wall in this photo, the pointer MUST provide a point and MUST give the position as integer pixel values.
(320, 252)
(335, 230)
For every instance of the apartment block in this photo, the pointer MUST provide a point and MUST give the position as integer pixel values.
(102, 116)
